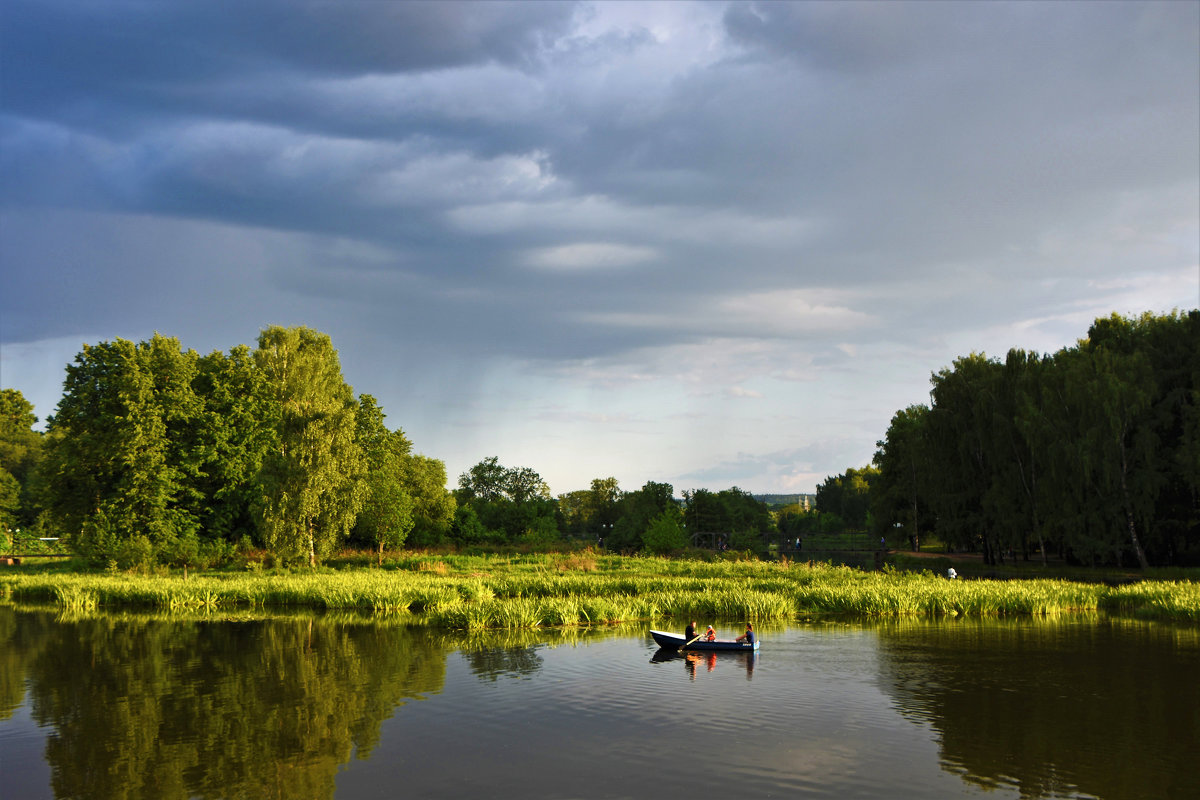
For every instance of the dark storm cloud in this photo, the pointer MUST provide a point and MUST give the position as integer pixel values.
(60, 55)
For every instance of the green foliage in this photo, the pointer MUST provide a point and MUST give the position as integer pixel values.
(1091, 453)
(234, 433)
(635, 512)
(901, 486)
(665, 533)
(848, 496)
(117, 447)
(10, 501)
(467, 528)
(732, 513)
(311, 484)
(509, 502)
(20, 455)
(387, 514)
(536, 589)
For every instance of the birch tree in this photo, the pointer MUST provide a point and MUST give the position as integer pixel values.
(311, 483)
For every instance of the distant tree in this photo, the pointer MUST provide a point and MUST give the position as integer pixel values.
(1093, 452)
(636, 511)
(572, 512)
(311, 483)
(484, 482)
(665, 533)
(467, 529)
(731, 511)
(848, 495)
(510, 502)
(794, 521)
(433, 506)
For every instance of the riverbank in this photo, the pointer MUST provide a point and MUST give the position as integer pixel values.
(538, 589)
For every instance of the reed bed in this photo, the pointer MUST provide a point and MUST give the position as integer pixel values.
(519, 592)
(1169, 600)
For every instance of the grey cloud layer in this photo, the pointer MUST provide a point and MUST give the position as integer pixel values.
(558, 182)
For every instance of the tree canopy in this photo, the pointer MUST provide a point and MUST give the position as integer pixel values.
(1090, 453)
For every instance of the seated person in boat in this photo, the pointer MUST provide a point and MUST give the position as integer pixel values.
(690, 632)
(710, 634)
(748, 636)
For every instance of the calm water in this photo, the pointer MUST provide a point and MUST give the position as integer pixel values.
(143, 707)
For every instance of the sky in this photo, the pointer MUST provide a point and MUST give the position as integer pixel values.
(707, 244)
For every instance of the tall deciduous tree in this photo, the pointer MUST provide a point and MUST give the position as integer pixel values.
(118, 465)
(1092, 451)
(20, 453)
(387, 514)
(899, 493)
(311, 483)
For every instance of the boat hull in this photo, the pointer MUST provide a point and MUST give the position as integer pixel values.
(676, 642)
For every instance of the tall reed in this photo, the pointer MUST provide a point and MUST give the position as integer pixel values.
(476, 592)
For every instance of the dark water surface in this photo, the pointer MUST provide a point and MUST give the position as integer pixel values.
(129, 706)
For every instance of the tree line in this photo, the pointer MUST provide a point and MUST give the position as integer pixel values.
(158, 455)
(1091, 454)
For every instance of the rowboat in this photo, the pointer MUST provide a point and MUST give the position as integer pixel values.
(674, 641)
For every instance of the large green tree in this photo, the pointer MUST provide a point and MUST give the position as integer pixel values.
(20, 453)
(311, 483)
(119, 465)
(899, 493)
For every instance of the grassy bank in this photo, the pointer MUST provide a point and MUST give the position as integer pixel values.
(478, 592)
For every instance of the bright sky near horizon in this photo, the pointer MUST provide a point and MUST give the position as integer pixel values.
(708, 244)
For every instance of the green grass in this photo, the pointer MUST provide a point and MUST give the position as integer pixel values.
(514, 592)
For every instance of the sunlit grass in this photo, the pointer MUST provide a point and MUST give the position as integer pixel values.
(535, 590)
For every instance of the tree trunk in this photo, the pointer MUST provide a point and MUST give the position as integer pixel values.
(1137, 545)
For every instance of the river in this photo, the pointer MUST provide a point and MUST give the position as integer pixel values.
(144, 706)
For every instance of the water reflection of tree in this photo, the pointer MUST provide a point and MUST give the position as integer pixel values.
(155, 708)
(497, 662)
(1110, 709)
(19, 646)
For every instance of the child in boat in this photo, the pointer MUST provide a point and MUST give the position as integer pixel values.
(748, 636)
(710, 634)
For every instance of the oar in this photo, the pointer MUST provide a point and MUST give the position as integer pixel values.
(685, 644)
